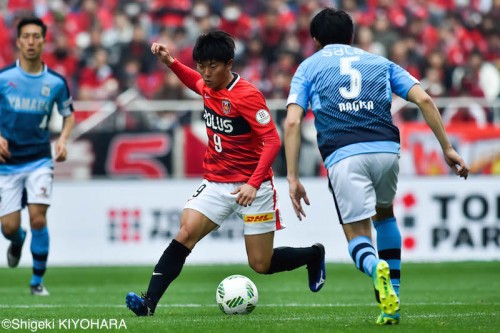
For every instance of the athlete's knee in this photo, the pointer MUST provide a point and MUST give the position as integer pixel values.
(9, 229)
(186, 238)
(38, 221)
(10, 223)
(259, 265)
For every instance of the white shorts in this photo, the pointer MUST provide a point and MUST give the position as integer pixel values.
(215, 201)
(361, 182)
(37, 184)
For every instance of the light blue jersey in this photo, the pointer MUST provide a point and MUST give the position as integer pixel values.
(26, 104)
(350, 93)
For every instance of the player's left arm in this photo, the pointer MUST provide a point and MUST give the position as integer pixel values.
(60, 147)
(433, 119)
(406, 86)
(271, 147)
(65, 109)
(4, 144)
(258, 116)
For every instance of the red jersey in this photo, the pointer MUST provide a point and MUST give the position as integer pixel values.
(242, 137)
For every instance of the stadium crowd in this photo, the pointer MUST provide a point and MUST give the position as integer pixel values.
(102, 47)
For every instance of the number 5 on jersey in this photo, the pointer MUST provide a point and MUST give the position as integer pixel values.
(355, 78)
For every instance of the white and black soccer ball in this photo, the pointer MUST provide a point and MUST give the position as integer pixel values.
(237, 294)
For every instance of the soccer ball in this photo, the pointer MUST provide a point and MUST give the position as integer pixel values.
(237, 294)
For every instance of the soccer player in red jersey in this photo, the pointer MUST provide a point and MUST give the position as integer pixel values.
(242, 145)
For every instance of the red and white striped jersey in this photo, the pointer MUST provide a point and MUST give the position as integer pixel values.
(242, 137)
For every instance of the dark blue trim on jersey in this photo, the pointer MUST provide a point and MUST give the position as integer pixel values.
(330, 187)
(327, 147)
(65, 84)
(25, 152)
(8, 67)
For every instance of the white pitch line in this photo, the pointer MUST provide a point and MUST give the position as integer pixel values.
(187, 305)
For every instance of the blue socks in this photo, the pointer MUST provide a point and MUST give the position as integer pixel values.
(389, 248)
(363, 254)
(40, 252)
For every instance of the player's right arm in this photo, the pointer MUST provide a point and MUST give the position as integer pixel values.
(60, 147)
(433, 118)
(297, 103)
(294, 116)
(188, 76)
(162, 52)
(4, 149)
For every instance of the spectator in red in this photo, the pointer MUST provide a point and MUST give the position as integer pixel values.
(169, 13)
(426, 35)
(399, 53)
(302, 32)
(439, 66)
(235, 22)
(478, 78)
(272, 33)
(139, 49)
(7, 51)
(17, 6)
(62, 59)
(97, 80)
(255, 66)
(471, 112)
(87, 16)
(285, 15)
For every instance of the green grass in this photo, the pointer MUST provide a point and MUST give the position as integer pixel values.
(441, 297)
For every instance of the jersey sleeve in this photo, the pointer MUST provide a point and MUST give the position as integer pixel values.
(401, 81)
(64, 100)
(299, 89)
(256, 113)
(188, 76)
(271, 147)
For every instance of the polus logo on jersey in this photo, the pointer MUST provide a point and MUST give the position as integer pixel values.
(226, 106)
(124, 225)
(213, 121)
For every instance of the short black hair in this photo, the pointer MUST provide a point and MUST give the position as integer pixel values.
(332, 26)
(31, 20)
(215, 45)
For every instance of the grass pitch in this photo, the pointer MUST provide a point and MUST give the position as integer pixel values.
(438, 297)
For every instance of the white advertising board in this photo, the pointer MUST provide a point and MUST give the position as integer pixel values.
(131, 222)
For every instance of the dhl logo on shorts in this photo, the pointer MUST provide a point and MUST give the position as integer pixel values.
(258, 218)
